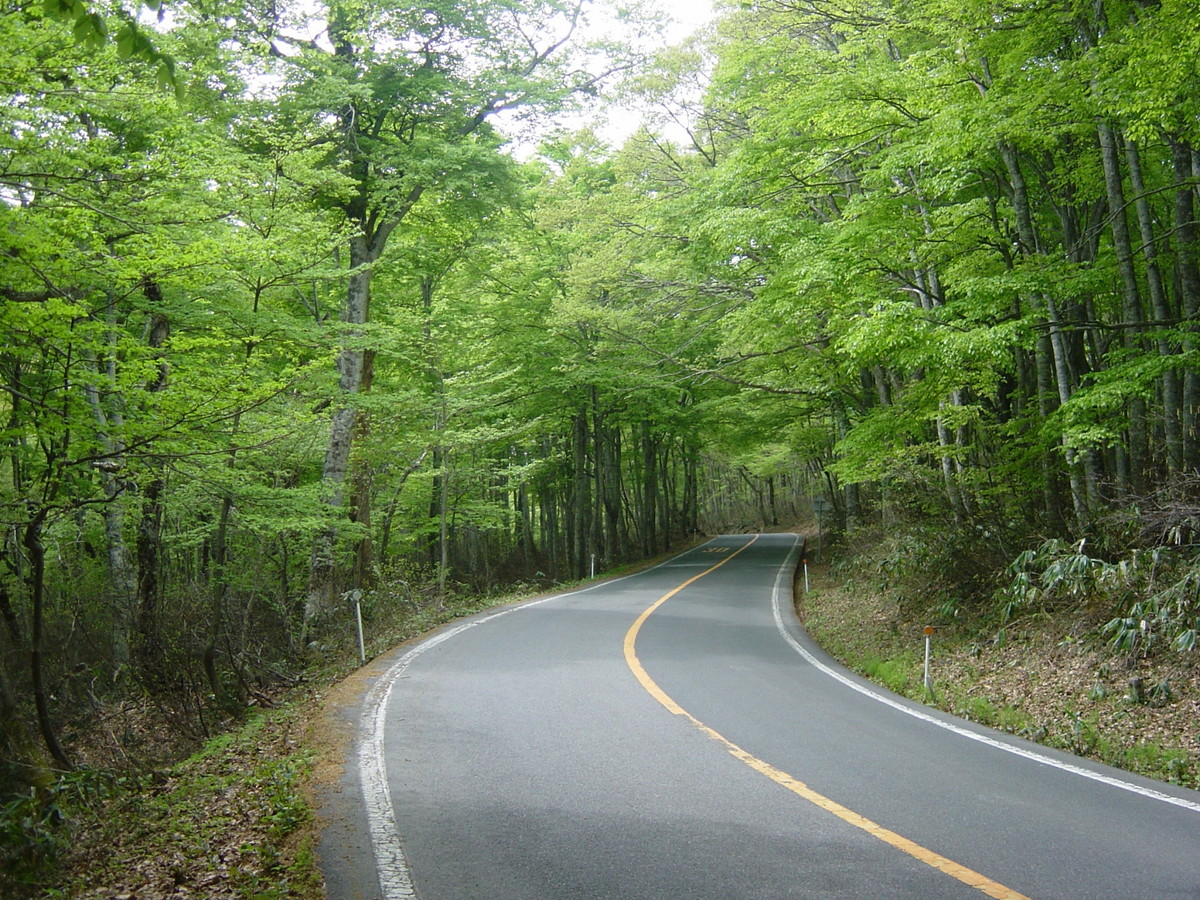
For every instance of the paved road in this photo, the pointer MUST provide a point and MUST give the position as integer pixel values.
(675, 735)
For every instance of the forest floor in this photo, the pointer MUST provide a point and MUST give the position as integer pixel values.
(1051, 679)
(236, 819)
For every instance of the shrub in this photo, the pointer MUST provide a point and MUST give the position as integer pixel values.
(1146, 616)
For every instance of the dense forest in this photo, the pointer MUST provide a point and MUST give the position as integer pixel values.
(307, 304)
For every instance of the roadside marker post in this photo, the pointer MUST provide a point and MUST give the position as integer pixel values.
(928, 647)
(356, 596)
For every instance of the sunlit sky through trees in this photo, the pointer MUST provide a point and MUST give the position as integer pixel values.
(614, 123)
(690, 14)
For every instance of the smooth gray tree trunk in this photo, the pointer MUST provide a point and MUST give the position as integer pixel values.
(1139, 442)
(1172, 391)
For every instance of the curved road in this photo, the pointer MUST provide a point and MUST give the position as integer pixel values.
(674, 734)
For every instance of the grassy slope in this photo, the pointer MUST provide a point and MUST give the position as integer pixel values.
(233, 820)
(1046, 677)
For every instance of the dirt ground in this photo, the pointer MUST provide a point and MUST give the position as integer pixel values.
(1048, 679)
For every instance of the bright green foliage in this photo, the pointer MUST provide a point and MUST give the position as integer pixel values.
(914, 196)
(1154, 594)
(92, 27)
(307, 328)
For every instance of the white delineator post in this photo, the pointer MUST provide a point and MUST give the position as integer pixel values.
(928, 647)
(362, 649)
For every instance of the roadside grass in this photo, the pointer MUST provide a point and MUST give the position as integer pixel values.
(228, 821)
(235, 819)
(1005, 717)
(895, 674)
(1050, 679)
(232, 820)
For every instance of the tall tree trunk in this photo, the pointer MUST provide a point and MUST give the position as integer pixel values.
(1189, 283)
(851, 495)
(443, 501)
(614, 520)
(219, 587)
(580, 514)
(218, 597)
(149, 529)
(433, 543)
(1172, 391)
(666, 492)
(551, 532)
(149, 649)
(526, 540)
(17, 744)
(949, 474)
(37, 591)
(352, 363)
(1063, 382)
(601, 536)
(355, 367)
(361, 487)
(122, 578)
(1031, 245)
(691, 490)
(649, 491)
(1139, 442)
(385, 532)
(756, 492)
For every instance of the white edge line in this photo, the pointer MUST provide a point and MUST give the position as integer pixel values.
(950, 726)
(391, 864)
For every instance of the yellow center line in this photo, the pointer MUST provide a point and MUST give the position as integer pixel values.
(951, 868)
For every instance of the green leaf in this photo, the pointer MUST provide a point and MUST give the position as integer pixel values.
(166, 74)
(125, 40)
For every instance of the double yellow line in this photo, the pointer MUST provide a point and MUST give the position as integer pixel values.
(939, 862)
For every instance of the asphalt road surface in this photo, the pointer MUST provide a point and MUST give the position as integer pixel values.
(675, 735)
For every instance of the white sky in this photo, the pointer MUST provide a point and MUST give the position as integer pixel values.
(691, 14)
(615, 124)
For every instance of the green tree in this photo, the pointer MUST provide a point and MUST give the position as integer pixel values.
(402, 102)
(151, 309)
